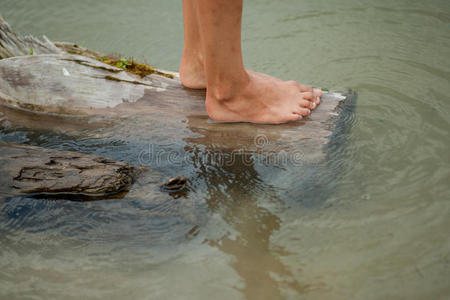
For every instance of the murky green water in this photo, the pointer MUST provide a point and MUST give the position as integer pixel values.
(377, 228)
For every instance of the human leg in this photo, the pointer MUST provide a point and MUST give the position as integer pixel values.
(192, 73)
(234, 94)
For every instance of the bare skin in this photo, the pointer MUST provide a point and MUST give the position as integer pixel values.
(212, 59)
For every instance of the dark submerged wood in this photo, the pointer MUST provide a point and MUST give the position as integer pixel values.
(35, 170)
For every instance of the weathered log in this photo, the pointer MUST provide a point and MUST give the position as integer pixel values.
(35, 170)
(74, 85)
(74, 91)
(12, 45)
(67, 87)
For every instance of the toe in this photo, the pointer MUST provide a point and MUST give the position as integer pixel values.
(307, 104)
(317, 92)
(303, 111)
(317, 95)
(294, 117)
(308, 96)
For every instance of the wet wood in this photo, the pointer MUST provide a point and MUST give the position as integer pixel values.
(35, 170)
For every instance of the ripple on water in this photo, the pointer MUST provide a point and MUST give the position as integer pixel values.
(116, 223)
(371, 222)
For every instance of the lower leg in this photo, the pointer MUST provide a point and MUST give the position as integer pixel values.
(220, 27)
(234, 94)
(192, 72)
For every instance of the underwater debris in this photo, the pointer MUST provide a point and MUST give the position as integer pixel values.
(175, 184)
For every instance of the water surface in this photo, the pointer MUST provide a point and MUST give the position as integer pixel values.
(371, 222)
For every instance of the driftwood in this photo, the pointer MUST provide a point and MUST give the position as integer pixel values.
(70, 89)
(35, 170)
(74, 85)
(12, 45)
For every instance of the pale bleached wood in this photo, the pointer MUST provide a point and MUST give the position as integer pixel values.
(12, 45)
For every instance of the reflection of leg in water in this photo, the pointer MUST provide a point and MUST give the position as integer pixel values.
(257, 261)
(233, 192)
(212, 58)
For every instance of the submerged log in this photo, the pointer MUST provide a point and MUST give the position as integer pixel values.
(35, 170)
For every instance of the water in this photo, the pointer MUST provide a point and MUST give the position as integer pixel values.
(375, 228)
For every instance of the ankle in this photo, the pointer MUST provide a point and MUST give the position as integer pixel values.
(193, 57)
(223, 89)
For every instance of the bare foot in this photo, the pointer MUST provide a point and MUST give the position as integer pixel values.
(309, 93)
(259, 99)
(192, 75)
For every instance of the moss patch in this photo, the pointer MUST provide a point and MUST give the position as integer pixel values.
(127, 64)
(130, 65)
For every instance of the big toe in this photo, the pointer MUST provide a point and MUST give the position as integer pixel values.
(317, 95)
(317, 92)
(308, 96)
